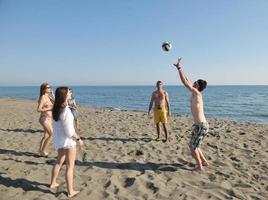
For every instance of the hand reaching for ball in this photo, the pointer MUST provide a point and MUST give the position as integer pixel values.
(177, 65)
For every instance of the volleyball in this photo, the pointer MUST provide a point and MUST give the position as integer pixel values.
(166, 46)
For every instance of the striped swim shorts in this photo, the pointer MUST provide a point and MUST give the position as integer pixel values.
(199, 131)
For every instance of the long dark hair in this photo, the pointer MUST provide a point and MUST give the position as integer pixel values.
(60, 102)
(43, 88)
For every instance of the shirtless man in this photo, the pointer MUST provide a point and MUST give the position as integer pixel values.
(160, 100)
(200, 127)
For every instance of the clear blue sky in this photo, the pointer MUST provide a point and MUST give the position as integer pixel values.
(118, 42)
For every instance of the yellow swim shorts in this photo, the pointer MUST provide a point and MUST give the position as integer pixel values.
(160, 115)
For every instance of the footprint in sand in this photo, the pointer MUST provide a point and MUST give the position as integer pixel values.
(152, 187)
(116, 190)
(150, 177)
(212, 177)
(235, 159)
(107, 184)
(139, 153)
(212, 146)
(222, 174)
(242, 185)
(129, 182)
(84, 184)
(84, 156)
(105, 194)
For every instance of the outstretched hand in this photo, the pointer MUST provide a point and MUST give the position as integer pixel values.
(177, 65)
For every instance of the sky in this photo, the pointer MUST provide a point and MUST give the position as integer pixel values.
(104, 42)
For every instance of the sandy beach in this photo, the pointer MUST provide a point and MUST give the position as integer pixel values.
(122, 161)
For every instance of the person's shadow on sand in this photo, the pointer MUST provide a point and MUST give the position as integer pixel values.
(25, 185)
(108, 165)
(133, 139)
(135, 166)
(171, 167)
(19, 153)
(29, 130)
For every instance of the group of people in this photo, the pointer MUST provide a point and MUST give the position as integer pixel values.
(162, 111)
(59, 116)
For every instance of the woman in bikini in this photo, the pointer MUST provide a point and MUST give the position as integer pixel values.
(45, 106)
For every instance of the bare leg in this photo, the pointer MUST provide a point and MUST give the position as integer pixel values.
(47, 138)
(196, 156)
(157, 130)
(204, 160)
(42, 141)
(70, 161)
(57, 167)
(165, 130)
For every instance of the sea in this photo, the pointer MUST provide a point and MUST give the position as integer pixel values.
(236, 103)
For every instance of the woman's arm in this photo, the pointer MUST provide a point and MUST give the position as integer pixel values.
(68, 126)
(40, 107)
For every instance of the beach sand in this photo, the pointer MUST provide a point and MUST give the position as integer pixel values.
(122, 161)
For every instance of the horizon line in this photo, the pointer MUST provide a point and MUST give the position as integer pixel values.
(128, 85)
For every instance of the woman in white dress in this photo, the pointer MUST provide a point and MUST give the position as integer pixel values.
(65, 139)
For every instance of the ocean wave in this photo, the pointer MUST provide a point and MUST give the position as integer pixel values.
(112, 108)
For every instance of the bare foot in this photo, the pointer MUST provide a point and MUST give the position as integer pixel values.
(43, 154)
(198, 168)
(156, 139)
(54, 185)
(205, 164)
(73, 194)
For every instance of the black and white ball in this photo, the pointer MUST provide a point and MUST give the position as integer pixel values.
(166, 46)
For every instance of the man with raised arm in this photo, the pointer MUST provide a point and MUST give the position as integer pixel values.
(161, 102)
(200, 127)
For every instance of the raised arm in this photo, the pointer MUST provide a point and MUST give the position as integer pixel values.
(151, 104)
(184, 79)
